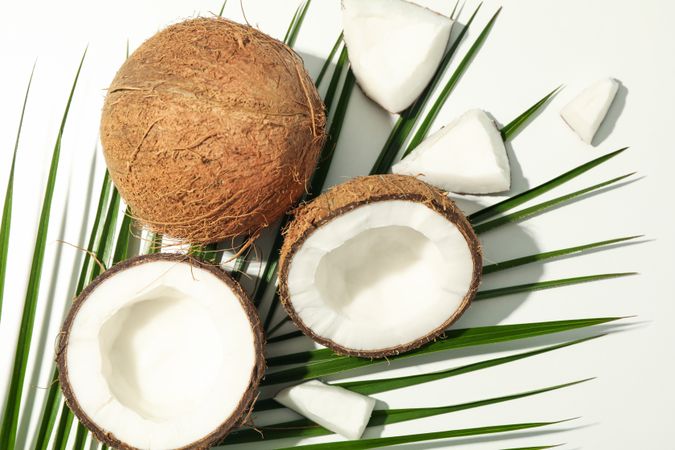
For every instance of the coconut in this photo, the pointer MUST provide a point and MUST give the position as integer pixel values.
(378, 266)
(467, 156)
(161, 352)
(333, 407)
(211, 129)
(394, 48)
(585, 113)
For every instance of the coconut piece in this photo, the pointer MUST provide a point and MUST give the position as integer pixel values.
(211, 130)
(392, 68)
(466, 156)
(378, 266)
(585, 113)
(337, 409)
(161, 352)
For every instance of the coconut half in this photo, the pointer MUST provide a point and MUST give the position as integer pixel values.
(467, 156)
(378, 266)
(161, 352)
(391, 68)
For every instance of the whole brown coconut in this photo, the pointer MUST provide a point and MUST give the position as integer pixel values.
(211, 130)
(344, 275)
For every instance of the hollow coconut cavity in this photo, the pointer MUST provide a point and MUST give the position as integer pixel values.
(211, 129)
(378, 266)
(161, 352)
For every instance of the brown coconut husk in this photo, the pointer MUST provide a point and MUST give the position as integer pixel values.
(356, 193)
(211, 129)
(245, 405)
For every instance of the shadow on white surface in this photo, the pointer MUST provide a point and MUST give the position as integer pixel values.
(616, 108)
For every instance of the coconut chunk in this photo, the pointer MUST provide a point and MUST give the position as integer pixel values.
(378, 266)
(161, 352)
(337, 409)
(391, 67)
(467, 156)
(585, 113)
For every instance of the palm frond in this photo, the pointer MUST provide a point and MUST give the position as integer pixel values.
(323, 362)
(321, 171)
(550, 284)
(52, 401)
(398, 440)
(329, 59)
(294, 28)
(306, 428)
(220, 13)
(11, 412)
(517, 200)
(512, 128)
(543, 256)
(544, 206)
(424, 127)
(408, 118)
(6, 222)
(376, 386)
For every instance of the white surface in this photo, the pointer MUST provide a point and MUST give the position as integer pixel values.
(337, 409)
(530, 51)
(392, 68)
(467, 156)
(160, 355)
(353, 279)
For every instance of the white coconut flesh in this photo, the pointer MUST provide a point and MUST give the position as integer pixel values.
(391, 67)
(585, 113)
(160, 354)
(380, 276)
(334, 408)
(467, 156)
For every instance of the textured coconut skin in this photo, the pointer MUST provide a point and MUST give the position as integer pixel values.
(356, 193)
(242, 412)
(211, 129)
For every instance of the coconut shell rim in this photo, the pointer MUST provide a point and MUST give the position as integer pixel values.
(462, 225)
(247, 401)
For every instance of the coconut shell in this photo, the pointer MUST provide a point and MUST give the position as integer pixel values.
(354, 194)
(242, 412)
(211, 129)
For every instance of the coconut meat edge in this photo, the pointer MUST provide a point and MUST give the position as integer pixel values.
(382, 275)
(160, 354)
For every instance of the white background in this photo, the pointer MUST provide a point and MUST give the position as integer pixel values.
(535, 46)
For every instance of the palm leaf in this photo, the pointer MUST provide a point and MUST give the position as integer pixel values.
(52, 400)
(535, 448)
(63, 430)
(398, 440)
(220, 13)
(329, 59)
(513, 127)
(123, 236)
(316, 183)
(540, 285)
(408, 118)
(5, 223)
(11, 412)
(294, 28)
(516, 262)
(306, 428)
(519, 199)
(323, 362)
(424, 127)
(376, 386)
(541, 207)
